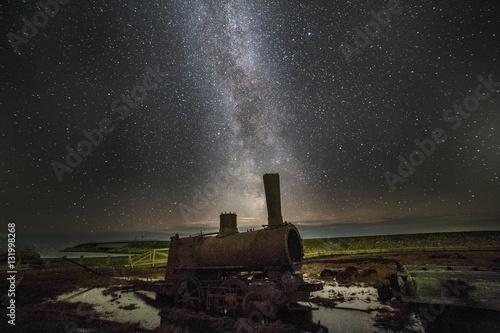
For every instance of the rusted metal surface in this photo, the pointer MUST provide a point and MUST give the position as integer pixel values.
(273, 199)
(277, 247)
(227, 224)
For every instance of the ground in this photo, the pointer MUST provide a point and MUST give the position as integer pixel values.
(47, 295)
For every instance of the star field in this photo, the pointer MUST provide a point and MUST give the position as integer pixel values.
(247, 88)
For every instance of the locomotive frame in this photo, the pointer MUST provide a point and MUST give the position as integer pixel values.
(240, 273)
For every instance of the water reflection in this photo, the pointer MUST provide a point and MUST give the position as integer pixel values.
(119, 306)
(345, 321)
(142, 308)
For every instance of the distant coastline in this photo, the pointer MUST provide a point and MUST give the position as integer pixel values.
(442, 240)
(117, 247)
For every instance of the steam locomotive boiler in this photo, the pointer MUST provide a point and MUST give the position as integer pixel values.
(240, 272)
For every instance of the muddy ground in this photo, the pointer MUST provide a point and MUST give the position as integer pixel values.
(39, 310)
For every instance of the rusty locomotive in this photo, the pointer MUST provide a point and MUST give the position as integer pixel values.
(234, 272)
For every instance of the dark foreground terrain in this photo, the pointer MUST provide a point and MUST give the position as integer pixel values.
(41, 308)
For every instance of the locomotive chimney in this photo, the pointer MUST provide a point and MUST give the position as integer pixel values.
(273, 199)
(227, 224)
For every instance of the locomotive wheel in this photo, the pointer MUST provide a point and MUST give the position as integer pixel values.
(189, 293)
(278, 297)
(230, 296)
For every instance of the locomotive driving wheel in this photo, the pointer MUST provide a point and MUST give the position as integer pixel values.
(230, 296)
(189, 293)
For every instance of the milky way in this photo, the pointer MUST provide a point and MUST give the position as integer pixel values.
(225, 46)
(245, 88)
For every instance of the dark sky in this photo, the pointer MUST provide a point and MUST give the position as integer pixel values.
(198, 99)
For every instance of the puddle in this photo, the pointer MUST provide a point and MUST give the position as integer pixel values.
(356, 308)
(354, 297)
(122, 307)
(350, 314)
(344, 321)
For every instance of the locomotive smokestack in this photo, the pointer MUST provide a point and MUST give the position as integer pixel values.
(273, 199)
(227, 224)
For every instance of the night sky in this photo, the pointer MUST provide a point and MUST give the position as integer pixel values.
(189, 103)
